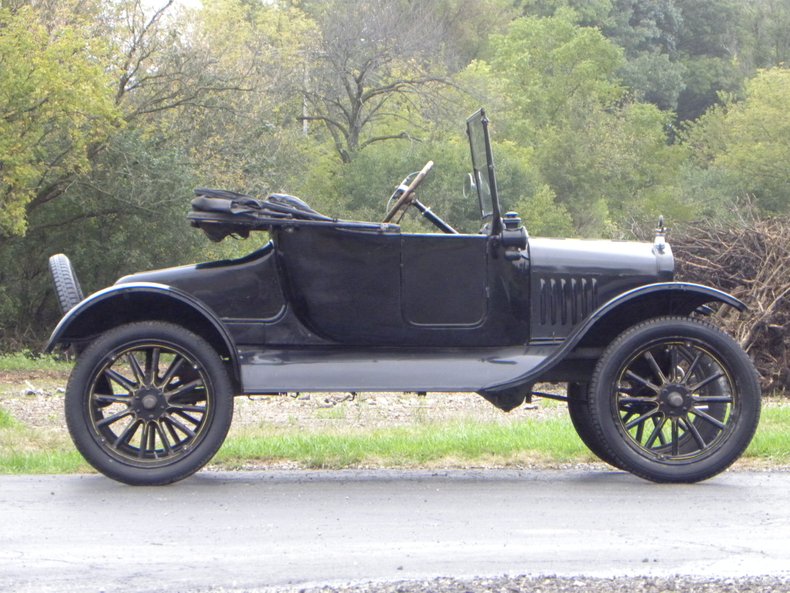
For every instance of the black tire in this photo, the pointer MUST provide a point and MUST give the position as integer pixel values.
(674, 399)
(580, 418)
(67, 287)
(149, 403)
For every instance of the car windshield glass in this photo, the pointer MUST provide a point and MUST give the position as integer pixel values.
(482, 165)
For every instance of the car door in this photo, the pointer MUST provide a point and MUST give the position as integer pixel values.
(444, 280)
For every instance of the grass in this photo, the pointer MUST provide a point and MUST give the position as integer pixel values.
(6, 419)
(27, 361)
(459, 443)
(539, 441)
(772, 441)
(25, 450)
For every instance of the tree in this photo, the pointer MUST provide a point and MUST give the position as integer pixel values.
(552, 68)
(746, 142)
(120, 206)
(55, 107)
(602, 157)
(372, 64)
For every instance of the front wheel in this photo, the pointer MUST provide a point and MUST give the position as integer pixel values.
(149, 403)
(674, 399)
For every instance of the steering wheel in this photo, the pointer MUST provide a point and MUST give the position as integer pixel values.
(406, 197)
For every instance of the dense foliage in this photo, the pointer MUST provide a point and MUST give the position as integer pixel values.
(606, 114)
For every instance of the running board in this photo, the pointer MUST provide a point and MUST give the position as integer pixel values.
(279, 371)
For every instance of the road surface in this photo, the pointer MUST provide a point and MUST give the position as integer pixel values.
(251, 530)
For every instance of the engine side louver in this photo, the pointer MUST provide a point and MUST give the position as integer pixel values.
(567, 300)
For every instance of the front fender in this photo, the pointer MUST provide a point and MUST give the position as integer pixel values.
(672, 298)
(142, 301)
(622, 312)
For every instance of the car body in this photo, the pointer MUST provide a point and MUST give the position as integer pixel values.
(334, 305)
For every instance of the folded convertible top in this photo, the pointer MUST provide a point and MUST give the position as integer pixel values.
(220, 213)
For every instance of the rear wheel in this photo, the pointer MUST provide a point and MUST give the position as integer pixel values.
(149, 403)
(674, 399)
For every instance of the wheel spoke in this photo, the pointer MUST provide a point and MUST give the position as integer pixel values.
(640, 432)
(637, 400)
(675, 436)
(114, 375)
(673, 363)
(188, 408)
(708, 417)
(187, 417)
(661, 438)
(182, 389)
(644, 417)
(654, 366)
(656, 434)
(152, 365)
(632, 375)
(694, 432)
(114, 417)
(111, 398)
(163, 436)
(167, 422)
(139, 374)
(152, 439)
(127, 434)
(706, 381)
(713, 399)
(691, 369)
(171, 371)
(146, 441)
(180, 425)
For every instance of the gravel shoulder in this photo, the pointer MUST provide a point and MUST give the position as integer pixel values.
(551, 584)
(36, 399)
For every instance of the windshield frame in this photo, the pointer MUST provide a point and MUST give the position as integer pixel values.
(483, 169)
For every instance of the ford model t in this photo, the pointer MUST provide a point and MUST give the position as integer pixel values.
(333, 305)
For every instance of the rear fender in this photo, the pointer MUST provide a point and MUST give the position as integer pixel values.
(143, 301)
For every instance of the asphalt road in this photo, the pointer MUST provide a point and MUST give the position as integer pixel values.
(252, 530)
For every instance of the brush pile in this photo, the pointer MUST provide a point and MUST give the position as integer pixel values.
(750, 259)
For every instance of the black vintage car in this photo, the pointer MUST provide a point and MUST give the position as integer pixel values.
(335, 305)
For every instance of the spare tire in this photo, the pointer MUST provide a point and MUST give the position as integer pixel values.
(67, 287)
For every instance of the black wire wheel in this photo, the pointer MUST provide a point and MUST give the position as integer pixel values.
(149, 403)
(67, 287)
(674, 399)
(579, 412)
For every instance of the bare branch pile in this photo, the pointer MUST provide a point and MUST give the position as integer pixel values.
(749, 258)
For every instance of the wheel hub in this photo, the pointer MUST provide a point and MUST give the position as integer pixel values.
(675, 399)
(149, 403)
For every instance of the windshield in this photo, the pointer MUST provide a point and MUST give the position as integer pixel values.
(482, 165)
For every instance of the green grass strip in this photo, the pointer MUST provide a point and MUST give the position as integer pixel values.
(43, 462)
(772, 440)
(31, 362)
(24, 450)
(467, 442)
